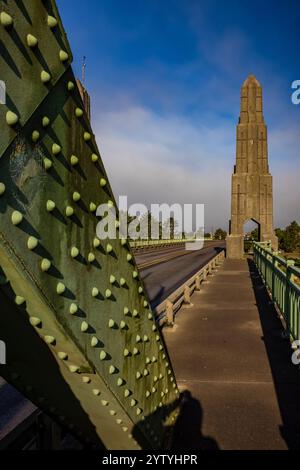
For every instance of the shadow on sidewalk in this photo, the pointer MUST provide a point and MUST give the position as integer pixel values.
(187, 432)
(286, 376)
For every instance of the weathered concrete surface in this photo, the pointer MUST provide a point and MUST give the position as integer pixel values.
(227, 350)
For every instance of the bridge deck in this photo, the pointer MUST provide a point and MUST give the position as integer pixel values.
(227, 350)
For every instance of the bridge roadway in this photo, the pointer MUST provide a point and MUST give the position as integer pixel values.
(228, 352)
(164, 270)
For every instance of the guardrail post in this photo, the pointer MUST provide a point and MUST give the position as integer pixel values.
(287, 301)
(204, 276)
(210, 268)
(274, 266)
(169, 313)
(198, 283)
(187, 295)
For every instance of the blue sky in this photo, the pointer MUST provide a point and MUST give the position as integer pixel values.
(165, 78)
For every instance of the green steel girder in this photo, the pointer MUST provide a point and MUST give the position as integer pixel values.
(65, 307)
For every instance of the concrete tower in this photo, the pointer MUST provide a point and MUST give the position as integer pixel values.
(252, 186)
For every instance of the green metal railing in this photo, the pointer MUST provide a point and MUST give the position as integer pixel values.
(282, 279)
(143, 243)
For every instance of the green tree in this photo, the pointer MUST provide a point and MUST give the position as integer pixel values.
(220, 234)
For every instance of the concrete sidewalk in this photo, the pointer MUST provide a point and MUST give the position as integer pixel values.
(227, 350)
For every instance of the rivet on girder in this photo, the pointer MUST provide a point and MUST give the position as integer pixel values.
(112, 324)
(32, 243)
(145, 303)
(122, 282)
(45, 76)
(86, 380)
(138, 339)
(60, 288)
(5, 19)
(47, 164)
(146, 339)
(148, 360)
(112, 412)
(94, 342)
(126, 311)
(154, 328)
(124, 428)
(103, 355)
(140, 290)
(87, 136)
(45, 265)
(162, 394)
(78, 112)
(74, 160)
(154, 359)
(104, 402)
(155, 379)
(49, 339)
(119, 421)
(74, 252)
(19, 300)
(95, 292)
(135, 351)
(91, 257)
(69, 211)
(93, 207)
(73, 369)
(127, 393)
(70, 86)
(12, 118)
(135, 273)
(112, 370)
(35, 321)
(84, 326)
(103, 182)
(45, 121)
(112, 279)
(139, 411)
(161, 347)
(51, 21)
(138, 375)
(133, 403)
(153, 390)
(31, 40)
(56, 149)
(126, 353)
(50, 206)
(16, 218)
(109, 248)
(123, 325)
(150, 316)
(157, 337)
(96, 243)
(62, 356)
(135, 313)
(146, 372)
(108, 293)
(129, 257)
(120, 382)
(73, 309)
(76, 196)
(161, 376)
(96, 392)
(123, 241)
(2, 188)
(148, 393)
(94, 157)
(63, 56)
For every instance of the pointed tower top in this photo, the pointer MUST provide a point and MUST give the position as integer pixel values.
(251, 80)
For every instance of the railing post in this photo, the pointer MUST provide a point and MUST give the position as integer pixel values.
(274, 266)
(287, 301)
(204, 276)
(169, 313)
(197, 283)
(187, 295)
